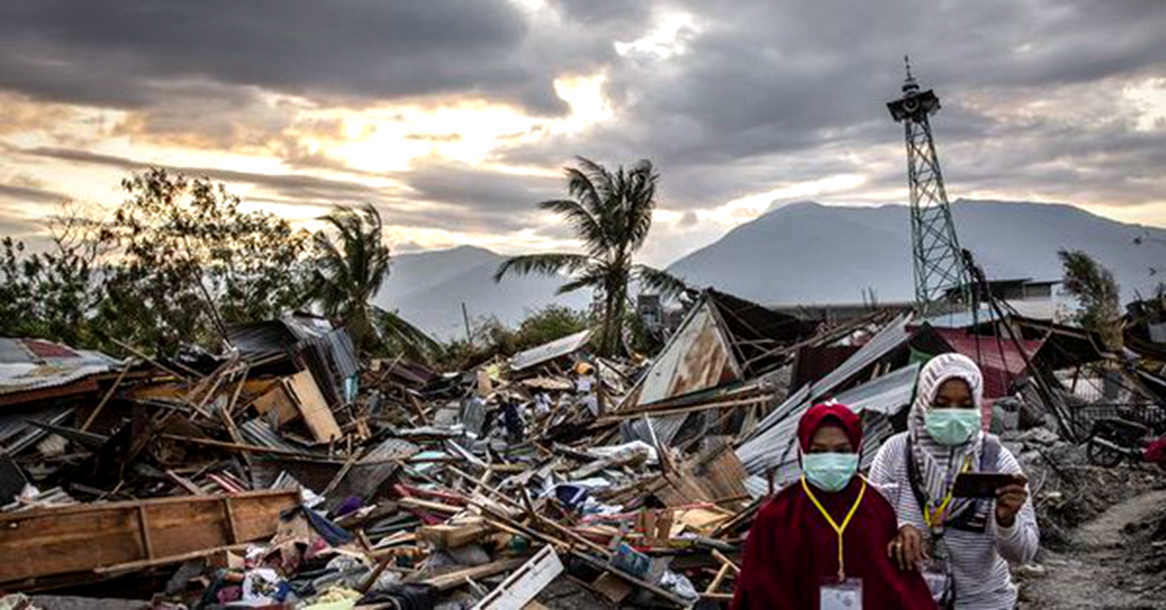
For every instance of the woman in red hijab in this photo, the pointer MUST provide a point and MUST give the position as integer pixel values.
(821, 543)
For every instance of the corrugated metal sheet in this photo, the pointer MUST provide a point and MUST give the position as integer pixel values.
(697, 358)
(884, 395)
(21, 369)
(960, 319)
(549, 351)
(258, 432)
(771, 443)
(392, 448)
(665, 428)
(16, 433)
(998, 371)
(890, 337)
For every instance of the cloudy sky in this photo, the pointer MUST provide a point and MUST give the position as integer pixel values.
(454, 118)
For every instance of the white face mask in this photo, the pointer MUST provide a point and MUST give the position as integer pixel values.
(952, 426)
(829, 471)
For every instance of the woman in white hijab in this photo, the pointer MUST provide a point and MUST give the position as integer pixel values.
(961, 544)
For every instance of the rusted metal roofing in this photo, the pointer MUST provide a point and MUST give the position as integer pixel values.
(697, 357)
(35, 364)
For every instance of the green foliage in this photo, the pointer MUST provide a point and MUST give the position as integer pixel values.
(351, 262)
(187, 261)
(549, 323)
(1098, 293)
(48, 294)
(493, 338)
(611, 213)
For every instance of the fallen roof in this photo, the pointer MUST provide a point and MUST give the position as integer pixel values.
(892, 336)
(723, 339)
(28, 365)
(549, 351)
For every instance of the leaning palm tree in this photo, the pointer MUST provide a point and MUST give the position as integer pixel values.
(611, 213)
(347, 273)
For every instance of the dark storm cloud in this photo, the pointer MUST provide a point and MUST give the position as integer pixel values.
(291, 185)
(770, 93)
(764, 93)
(30, 194)
(480, 189)
(117, 53)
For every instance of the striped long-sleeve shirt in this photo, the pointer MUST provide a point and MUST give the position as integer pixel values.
(978, 560)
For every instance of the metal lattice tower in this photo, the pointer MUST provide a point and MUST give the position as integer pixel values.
(939, 267)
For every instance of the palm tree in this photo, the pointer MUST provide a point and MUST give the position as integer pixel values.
(611, 214)
(347, 274)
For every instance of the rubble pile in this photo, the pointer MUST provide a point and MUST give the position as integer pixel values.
(287, 471)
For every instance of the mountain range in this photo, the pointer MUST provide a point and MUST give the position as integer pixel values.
(801, 252)
(428, 289)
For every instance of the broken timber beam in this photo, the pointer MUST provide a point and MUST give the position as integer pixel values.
(84, 537)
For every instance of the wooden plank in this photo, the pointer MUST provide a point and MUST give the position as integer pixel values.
(458, 578)
(54, 541)
(144, 528)
(161, 561)
(233, 532)
(184, 483)
(451, 536)
(252, 448)
(104, 399)
(312, 406)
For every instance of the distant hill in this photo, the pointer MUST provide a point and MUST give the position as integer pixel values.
(807, 252)
(799, 253)
(428, 288)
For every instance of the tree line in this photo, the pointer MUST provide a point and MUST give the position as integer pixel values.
(181, 259)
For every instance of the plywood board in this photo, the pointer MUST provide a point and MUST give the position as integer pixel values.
(314, 409)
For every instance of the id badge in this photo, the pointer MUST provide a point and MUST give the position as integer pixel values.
(845, 595)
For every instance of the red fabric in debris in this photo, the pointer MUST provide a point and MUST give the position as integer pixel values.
(840, 414)
(791, 551)
(1156, 452)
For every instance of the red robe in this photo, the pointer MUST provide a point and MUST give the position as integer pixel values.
(791, 551)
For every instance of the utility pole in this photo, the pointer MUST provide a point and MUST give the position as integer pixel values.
(466, 319)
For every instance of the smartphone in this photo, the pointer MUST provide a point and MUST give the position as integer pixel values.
(982, 485)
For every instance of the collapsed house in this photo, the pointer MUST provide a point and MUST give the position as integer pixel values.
(312, 478)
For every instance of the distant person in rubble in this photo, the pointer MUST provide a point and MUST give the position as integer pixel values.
(960, 544)
(585, 387)
(512, 419)
(821, 542)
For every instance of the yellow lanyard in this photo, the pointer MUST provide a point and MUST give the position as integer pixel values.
(938, 515)
(838, 529)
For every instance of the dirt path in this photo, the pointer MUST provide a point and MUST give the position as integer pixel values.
(1094, 575)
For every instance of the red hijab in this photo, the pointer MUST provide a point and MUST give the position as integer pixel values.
(792, 550)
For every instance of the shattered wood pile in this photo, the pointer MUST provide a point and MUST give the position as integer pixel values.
(286, 472)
